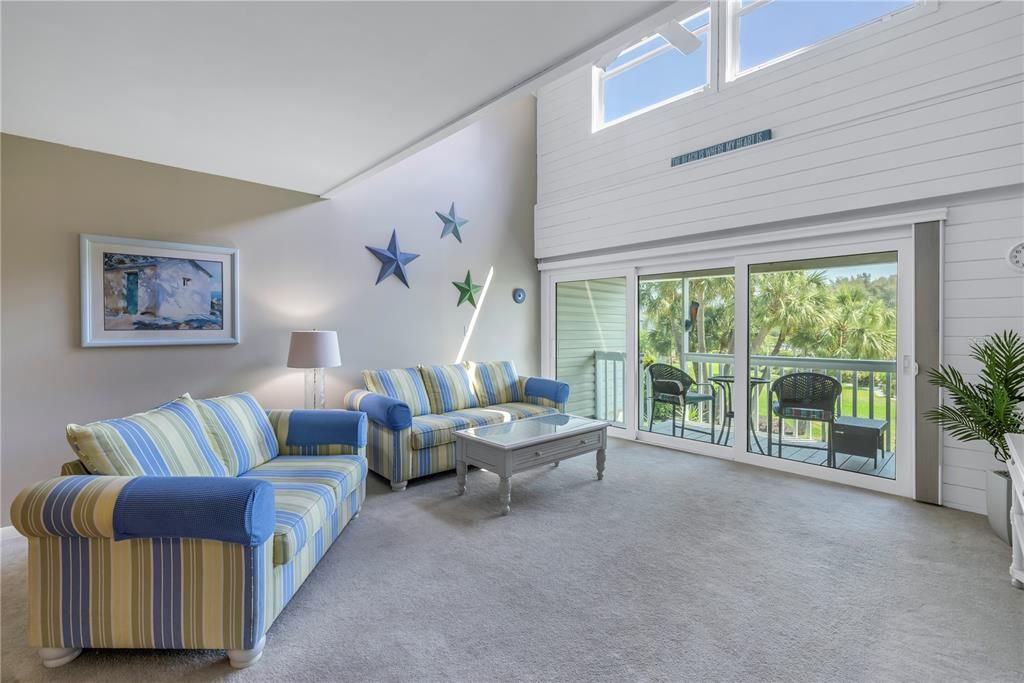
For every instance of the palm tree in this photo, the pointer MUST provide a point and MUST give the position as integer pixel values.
(662, 312)
(785, 303)
(796, 313)
(715, 319)
(861, 326)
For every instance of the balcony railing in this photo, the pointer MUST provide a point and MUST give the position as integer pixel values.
(609, 386)
(877, 377)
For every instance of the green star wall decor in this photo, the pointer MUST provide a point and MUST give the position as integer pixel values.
(452, 223)
(467, 290)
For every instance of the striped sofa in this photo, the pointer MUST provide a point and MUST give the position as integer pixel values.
(188, 526)
(415, 412)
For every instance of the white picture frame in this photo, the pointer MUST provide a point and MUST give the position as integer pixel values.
(150, 293)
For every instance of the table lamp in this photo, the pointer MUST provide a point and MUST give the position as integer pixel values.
(314, 350)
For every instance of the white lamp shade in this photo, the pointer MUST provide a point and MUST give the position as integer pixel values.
(314, 349)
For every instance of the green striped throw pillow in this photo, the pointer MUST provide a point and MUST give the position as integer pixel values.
(404, 384)
(448, 388)
(240, 431)
(496, 382)
(167, 441)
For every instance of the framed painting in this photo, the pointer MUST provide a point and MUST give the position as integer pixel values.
(145, 293)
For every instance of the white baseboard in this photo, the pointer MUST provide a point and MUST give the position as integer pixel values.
(8, 532)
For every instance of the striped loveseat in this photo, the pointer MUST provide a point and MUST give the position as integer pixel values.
(188, 526)
(415, 412)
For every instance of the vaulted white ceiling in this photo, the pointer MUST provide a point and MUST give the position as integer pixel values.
(297, 95)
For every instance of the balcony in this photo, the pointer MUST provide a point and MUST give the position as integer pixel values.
(869, 391)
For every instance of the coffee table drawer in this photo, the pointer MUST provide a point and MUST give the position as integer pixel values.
(556, 450)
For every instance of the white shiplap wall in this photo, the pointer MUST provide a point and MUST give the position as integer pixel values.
(925, 105)
(982, 295)
(928, 107)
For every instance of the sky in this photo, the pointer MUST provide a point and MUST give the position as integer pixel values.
(216, 269)
(876, 271)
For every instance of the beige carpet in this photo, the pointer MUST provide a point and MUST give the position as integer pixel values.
(675, 567)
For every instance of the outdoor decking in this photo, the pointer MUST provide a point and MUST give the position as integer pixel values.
(803, 450)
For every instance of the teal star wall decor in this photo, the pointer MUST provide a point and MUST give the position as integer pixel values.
(467, 290)
(392, 260)
(452, 223)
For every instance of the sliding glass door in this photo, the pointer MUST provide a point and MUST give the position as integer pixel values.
(686, 335)
(789, 354)
(822, 361)
(590, 346)
(825, 352)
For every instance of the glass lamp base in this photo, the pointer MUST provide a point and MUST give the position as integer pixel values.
(315, 390)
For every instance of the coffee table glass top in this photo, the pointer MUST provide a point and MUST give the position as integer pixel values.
(511, 434)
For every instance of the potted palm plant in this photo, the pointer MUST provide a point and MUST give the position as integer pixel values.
(987, 410)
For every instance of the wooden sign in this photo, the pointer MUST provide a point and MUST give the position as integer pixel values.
(722, 147)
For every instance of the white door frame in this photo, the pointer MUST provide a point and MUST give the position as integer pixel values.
(688, 265)
(870, 235)
(548, 282)
(901, 242)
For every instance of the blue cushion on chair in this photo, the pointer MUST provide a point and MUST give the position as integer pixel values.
(798, 413)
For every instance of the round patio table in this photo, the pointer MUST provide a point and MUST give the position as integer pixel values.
(726, 382)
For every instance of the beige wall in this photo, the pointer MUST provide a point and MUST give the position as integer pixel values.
(303, 265)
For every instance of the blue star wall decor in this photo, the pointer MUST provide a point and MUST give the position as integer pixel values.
(452, 223)
(392, 260)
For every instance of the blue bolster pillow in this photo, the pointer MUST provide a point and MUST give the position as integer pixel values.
(225, 509)
(547, 388)
(387, 411)
(317, 427)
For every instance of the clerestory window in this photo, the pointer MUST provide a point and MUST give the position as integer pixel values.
(723, 42)
(768, 31)
(656, 70)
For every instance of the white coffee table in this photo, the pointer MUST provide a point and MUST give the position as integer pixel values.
(513, 447)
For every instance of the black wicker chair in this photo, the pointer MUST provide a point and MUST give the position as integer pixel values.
(808, 396)
(671, 385)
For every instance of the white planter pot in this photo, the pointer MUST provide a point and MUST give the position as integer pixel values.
(999, 497)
